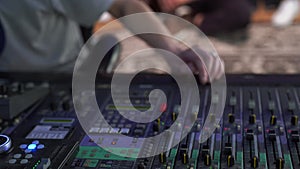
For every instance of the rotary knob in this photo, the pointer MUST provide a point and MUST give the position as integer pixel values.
(5, 144)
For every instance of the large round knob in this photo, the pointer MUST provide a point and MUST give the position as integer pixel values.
(5, 143)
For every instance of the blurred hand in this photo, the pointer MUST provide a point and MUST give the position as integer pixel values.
(207, 66)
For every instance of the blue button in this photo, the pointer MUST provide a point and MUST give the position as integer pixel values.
(28, 151)
(31, 146)
(35, 142)
(40, 146)
(23, 146)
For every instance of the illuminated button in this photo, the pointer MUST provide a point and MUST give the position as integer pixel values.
(35, 142)
(125, 131)
(12, 161)
(28, 156)
(28, 151)
(163, 107)
(40, 146)
(31, 146)
(23, 146)
(24, 161)
(17, 155)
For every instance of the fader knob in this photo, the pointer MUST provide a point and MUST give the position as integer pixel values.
(254, 162)
(231, 118)
(174, 116)
(294, 120)
(230, 161)
(252, 119)
(207, 160)
(273, 120)
(280, 163)
(184, 158)
(5, 143)
(162, 157)
(156, 126)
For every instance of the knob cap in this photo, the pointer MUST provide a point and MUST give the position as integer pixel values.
(252, 119)
(231, 118)
(174, 116)
(254, 162)
(156, 126)
(230, 161)
(273, 120)
(294, 120)
(162, 157)
(279, 163)
(207, 160)
(184, 158)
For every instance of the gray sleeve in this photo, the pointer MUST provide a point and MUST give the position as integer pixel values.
(84, 12)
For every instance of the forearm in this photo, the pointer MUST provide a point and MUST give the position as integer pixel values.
(149, 23)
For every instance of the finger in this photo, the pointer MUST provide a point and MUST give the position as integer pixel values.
(215, 70)
(192, 67)
(203, 75)
(209, 62)
(221, 70)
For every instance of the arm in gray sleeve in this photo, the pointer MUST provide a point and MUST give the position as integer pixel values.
(84, 12)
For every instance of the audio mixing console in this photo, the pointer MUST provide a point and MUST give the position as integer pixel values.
(259, 128)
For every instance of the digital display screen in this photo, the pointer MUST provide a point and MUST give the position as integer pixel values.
(62, 121)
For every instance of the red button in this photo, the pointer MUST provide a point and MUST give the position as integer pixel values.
(163, 107)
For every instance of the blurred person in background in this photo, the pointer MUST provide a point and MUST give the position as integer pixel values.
(44, 36)
(211, 16)
(287, 11)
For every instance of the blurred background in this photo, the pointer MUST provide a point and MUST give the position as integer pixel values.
(269, 42)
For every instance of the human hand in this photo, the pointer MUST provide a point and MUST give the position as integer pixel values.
(170, 5)
(208, 66)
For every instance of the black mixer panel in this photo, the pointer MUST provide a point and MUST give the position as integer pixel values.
(259, 128)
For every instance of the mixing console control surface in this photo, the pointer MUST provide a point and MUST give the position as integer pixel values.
(259, 129)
